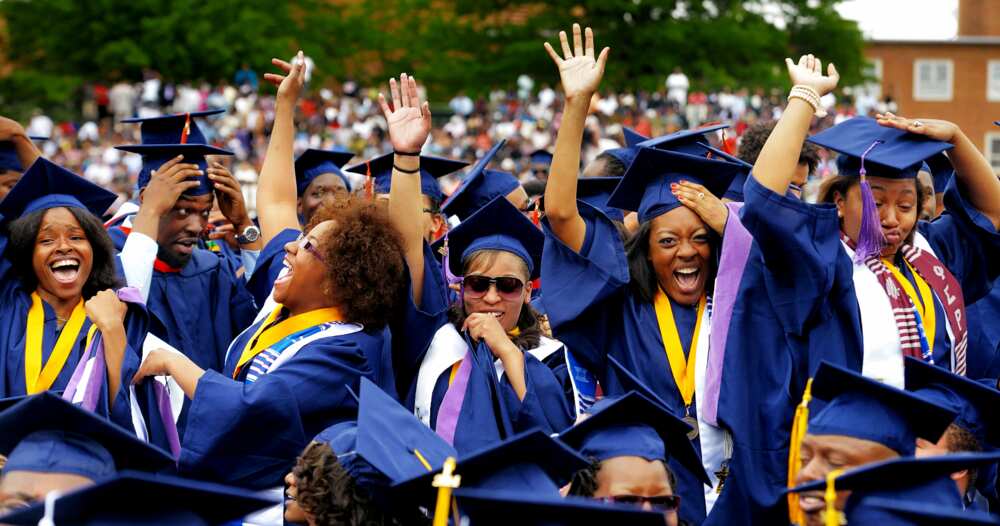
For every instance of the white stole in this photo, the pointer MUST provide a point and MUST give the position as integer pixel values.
(712, 438)
(447, 348)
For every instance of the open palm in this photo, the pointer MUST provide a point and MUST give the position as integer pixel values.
(409, 121)
(579, 70)
(809, 72)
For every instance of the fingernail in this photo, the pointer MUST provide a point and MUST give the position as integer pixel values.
(673, 185)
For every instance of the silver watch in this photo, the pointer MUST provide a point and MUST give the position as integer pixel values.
(250, 235)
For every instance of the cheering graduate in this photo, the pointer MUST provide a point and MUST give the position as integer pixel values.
(56, 277)
(479, 376)
(289, 373)
(198, 302)
(863, 421)
(343, 476)
(53, 445)
(974, 430)
(643, 302)
(16, 152)
(318, 182)
(902, 491)
(629, 440)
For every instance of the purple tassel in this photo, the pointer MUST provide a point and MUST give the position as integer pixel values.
(449, 278)
(870, 238)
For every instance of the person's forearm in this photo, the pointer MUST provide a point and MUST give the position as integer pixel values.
(779, 158)
(978, 177)
(186, 374)
(560, 190)
(27, 152)
(512, 360)
(405, 211)
(276, 190)
(115, 345)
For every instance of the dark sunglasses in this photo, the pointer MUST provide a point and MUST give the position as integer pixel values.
(509, 288)
(662, 503)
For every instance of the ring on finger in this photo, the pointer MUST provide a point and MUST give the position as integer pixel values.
(917, 124)
(701, 195)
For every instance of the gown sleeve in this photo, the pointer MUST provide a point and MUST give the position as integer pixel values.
(223, 441)
(544, 405)
(800, 245)
(966, 242)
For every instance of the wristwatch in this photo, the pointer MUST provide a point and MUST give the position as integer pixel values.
(250, 235)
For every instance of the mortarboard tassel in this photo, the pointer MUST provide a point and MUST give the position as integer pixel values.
(187, 128)
(799, 425)
(449, 278)
(369, 184)
(832, 517)
(870, 238)
(536, 217)
(445, 482)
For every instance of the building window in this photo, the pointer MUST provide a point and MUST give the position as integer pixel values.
(993, 81)
(993, 150)
(933, 79)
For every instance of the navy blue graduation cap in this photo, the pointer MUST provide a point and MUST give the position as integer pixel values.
(692, 141)
(913, 512)
(387, 443)
(498, 225)
(867, 409)
(977, 403)
(632, 137)
(431, 168)
(645, 187)
(502, 508)
(528, 462)
(888, 152)
(140, 498)
(595, 191)
(634, 425)
(479, 187)
(8, 158)
(47, 185)
(941, 171)
(540, 157)
(313, 163)
(44, 433)
(624, 155)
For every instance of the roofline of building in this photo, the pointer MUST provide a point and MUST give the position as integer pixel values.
(957, 41)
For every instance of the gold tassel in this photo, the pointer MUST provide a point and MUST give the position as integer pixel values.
(832, 517)
(445, 481)
(799, 425)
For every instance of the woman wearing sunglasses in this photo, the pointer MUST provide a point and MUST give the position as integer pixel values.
(477, 377)
(287, 377)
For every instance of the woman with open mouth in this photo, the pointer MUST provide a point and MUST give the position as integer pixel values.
(478, 377)
(287, 376)
(57, 276)
(644, 301)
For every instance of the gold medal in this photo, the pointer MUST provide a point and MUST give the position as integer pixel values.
(691, 421)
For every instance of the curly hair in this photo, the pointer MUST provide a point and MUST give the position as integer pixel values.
(961, 440)
(753, 139)
(23, 233)
(364, 258)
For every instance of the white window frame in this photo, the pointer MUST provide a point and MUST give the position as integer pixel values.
(919, 93)
(993, 81)
(992, 154)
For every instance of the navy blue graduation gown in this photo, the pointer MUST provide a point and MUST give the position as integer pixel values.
(269, 265)
(984, 335)
(490, 410)
(249, 434)
(796, 307)
(592, 309)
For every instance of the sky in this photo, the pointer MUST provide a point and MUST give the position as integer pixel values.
(903, 19)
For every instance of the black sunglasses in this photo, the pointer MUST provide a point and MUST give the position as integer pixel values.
(477, 286)
(662, 503)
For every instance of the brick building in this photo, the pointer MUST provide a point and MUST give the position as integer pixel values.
(957, 79)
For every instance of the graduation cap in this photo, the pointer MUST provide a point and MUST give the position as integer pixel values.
(923, 481)
(692, 141)
(975, 402)
(941, 170)
(867, 409)
(141, 498)
(634, 425)
(888, 152)
(595, 191)
(498, 225)
(501, 508)
(47, 185)
(44, 433)
(8, 157)
(540, 157)
(480, 186)
(633, 138)
(645, 187)
(892, 512)
(624, 155)
(313, 163)
(387, 443)
(431, 168)
(528, 462)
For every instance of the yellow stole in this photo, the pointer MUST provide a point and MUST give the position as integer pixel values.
(924, 302)
(36, 377)
(682, 368)
(270, 333)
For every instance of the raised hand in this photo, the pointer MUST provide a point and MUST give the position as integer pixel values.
(290, 84)
(709, 208)
(105, 310)
(230, 196)
(579, 72)
(809, 72)
(409, 120)
(933, 128)
(167, 183)
(10, 128)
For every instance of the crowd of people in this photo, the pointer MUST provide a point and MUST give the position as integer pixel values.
(329, 306)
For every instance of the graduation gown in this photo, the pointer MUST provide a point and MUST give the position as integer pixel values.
(295, 400)
(797, 305)
(426, 345)
(984, 335)
(592, 309)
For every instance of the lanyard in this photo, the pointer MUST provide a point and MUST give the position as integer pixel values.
(682, 368)
(270, 333)
(38, 378)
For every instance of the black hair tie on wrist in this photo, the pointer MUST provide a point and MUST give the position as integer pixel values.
(397, 168)
(406, 154)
